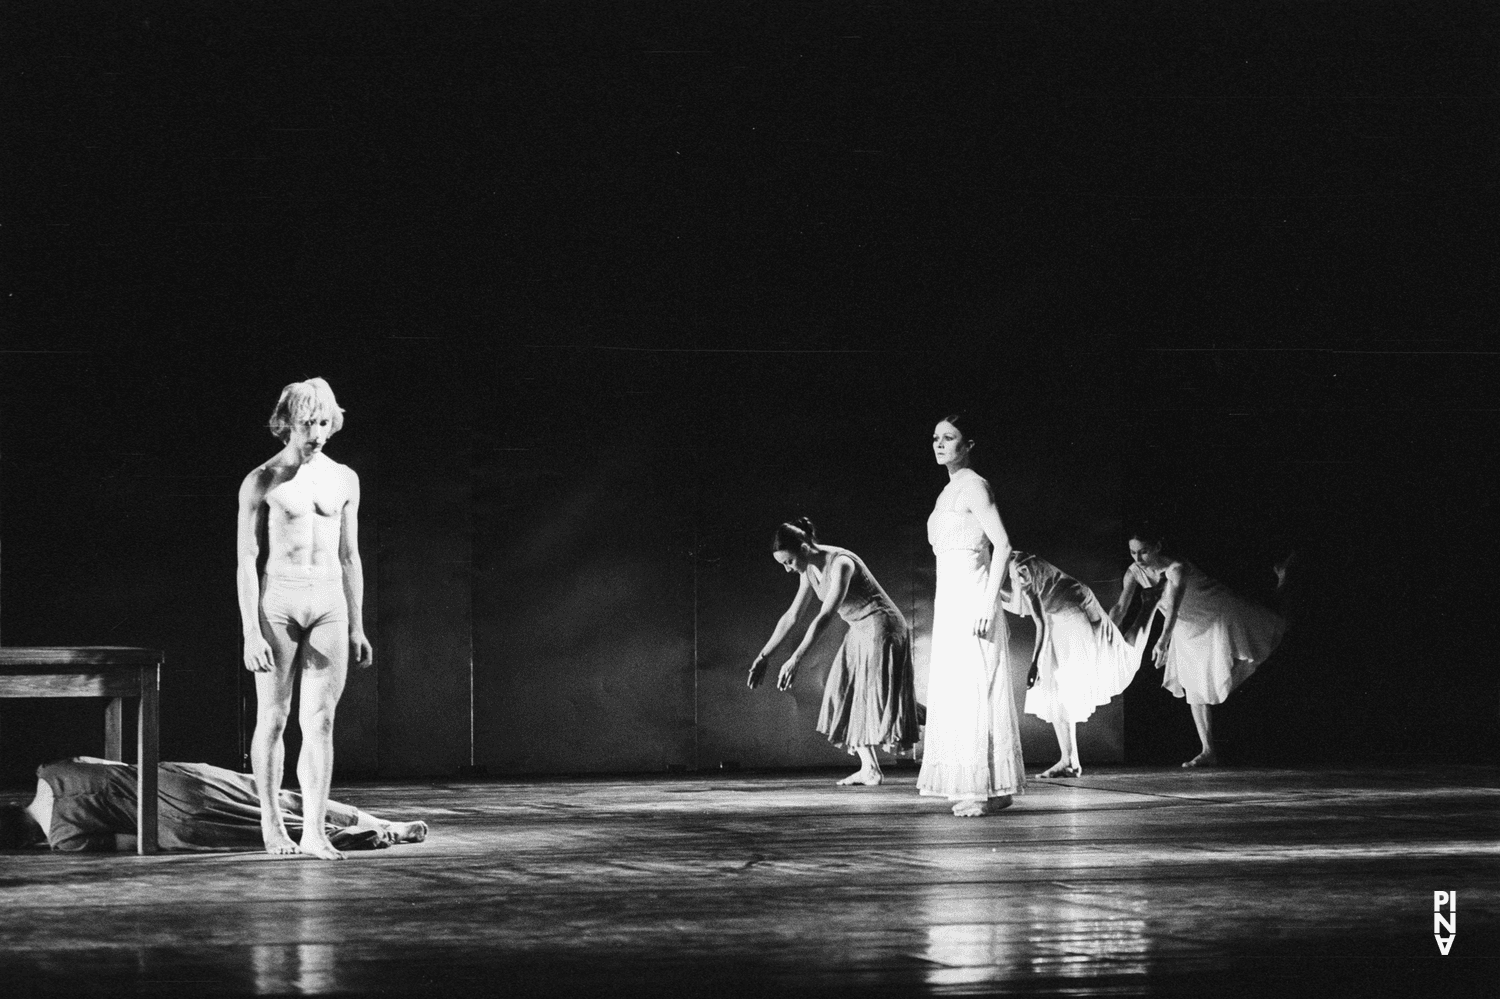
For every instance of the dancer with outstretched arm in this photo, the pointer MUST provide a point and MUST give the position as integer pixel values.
(1211, 640)
(869, 700)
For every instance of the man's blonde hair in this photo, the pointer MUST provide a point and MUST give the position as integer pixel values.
(301, 400)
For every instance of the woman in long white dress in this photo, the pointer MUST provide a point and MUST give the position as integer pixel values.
(972, 752)
(869, 699)
(1211, 640)
(1080, 660)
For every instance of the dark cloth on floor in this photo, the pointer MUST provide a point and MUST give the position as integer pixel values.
(200, 807)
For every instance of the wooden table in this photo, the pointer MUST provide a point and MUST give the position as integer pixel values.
(111, 671)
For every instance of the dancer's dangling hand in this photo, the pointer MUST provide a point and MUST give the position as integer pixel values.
(1031, 676)
(1022, 574)
(1159, 653)
(788, 674)
(983, 623)
(360, 652)
(757, 671)
(258, 654)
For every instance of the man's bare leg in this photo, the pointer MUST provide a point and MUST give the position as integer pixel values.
(323, 674)
(869, 773)
(273, 696)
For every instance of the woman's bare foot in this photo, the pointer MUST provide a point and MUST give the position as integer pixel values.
(320, 847)
(973, 808)
(1060, 769)
(278, 843)
(865, 776)
(1207, 758)
(407, 832)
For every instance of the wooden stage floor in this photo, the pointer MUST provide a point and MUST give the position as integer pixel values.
(1126, 882)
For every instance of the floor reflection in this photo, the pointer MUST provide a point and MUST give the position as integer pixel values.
(297, 968)
(707, 888)
(985, 941)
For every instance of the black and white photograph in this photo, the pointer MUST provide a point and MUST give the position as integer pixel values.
(886, 498)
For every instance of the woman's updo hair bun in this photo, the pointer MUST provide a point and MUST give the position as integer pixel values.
(792, 535)
(1147, 533)
(963, 423)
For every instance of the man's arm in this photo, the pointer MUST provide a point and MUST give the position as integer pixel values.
(354, 576)
(252, 519)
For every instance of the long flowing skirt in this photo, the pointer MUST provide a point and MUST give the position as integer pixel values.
(1085, 662)
(973, 738)
(1218, 640)
(869, 699)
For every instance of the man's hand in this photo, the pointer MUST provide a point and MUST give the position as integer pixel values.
(757, 671)
(1031, 676)
(258, 655)
(360, 650)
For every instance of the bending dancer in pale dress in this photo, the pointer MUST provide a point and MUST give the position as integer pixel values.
(1080, 660)
(869, 700)
(972, 752)
(1211, 638)
(302, 509)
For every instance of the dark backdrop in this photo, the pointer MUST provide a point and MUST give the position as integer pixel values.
(1236, 259)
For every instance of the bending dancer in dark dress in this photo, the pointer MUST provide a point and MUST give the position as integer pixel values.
(89, 804)
(869, 699)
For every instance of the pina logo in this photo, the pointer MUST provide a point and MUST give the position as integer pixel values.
(1442, 924)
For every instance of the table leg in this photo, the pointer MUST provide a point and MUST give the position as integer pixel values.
(114, 729)
(146, 760)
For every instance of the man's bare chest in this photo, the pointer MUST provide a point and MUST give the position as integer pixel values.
(306, 495)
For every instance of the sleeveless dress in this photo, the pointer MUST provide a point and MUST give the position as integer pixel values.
(1085, 660)
(869, 699)
(1218, 639)
(973, 737)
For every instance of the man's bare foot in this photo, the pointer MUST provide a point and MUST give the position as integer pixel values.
(973, 808)
(1062, 768)
(320, 847)
(278, 843)
(1207, 758)
(865, 776)
(407, 832)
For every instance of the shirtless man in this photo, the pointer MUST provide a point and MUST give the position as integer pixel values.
(304, 508)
